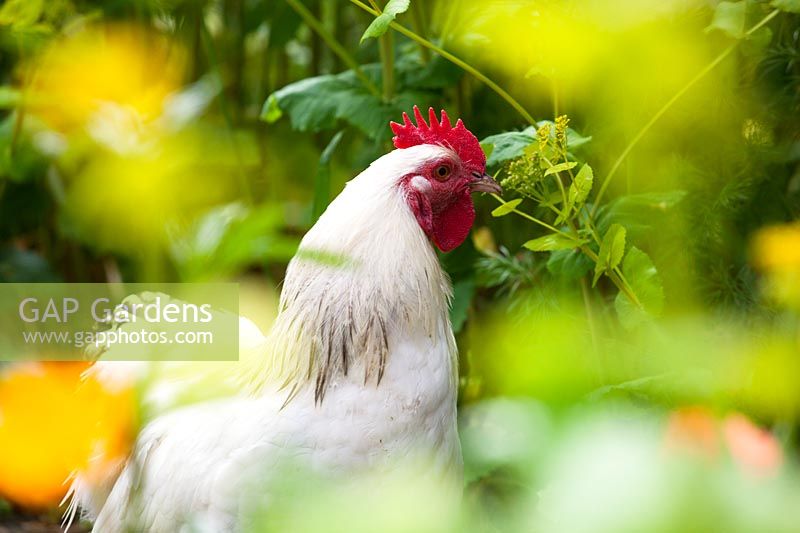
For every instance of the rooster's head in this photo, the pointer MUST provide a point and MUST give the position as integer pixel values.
(451, 166)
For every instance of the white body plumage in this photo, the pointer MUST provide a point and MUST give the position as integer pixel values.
(363, 349)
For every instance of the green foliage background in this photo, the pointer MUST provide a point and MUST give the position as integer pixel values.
(614, 284)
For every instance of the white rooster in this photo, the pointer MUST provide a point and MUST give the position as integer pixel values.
(359, 371)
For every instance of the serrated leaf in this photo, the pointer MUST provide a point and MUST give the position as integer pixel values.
(551, 242)
(645, 282)
(580, 187)
(507, 146)
(729, 17)
(319, 103)
(381, 23)
(790, 6)
(506, 208)
(612, 248)
(561, 167)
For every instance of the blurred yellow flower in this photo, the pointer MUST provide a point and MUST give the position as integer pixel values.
(124, 66)
(776, 252)
(778, 248)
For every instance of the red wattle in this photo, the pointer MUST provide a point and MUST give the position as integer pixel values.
(451, 226)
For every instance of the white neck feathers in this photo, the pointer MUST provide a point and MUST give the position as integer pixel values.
(364, 276)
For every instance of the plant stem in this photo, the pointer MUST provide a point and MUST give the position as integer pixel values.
(533, 219)
(419, 27)
(387, 64)
(590, 320)
(453, 59)
(700, 75)
(334, 45)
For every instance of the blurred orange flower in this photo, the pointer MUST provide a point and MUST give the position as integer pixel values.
(51, 423)
(697, 431)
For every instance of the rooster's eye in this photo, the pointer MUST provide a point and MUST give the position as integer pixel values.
(442, 172)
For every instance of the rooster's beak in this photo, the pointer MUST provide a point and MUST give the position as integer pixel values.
(484, 183)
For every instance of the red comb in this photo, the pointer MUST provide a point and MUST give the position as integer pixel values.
(458, 138)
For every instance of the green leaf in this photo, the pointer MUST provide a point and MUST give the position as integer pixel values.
(507, 146)
(271, 112)
(381, 23)
(756, 44)
(322, 181)
(487, 149)
(790, 6)
(639, 212)
(569, 264)
(580, 187)
(645, 282)
(612, 248)
(319, 103)
(463, 291)
(23, 266)
(553, 241)
(729, 17)
(561, 167)
(229, 238)
(506, 208)
(21, 13)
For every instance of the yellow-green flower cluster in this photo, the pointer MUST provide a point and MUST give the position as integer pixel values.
(561, 131)
(523, 173)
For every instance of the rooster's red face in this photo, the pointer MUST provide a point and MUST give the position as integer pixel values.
(452, 166)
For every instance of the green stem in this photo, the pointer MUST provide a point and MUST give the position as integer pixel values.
(419, 28)
(590, 320)
(700, 75)
(334, 45)
(387, 63)
(532, 218)
(455, 60)
(619, 281)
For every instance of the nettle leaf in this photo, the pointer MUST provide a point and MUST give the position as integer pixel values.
(645, 282)
(319, 103)
(612, 248)
(790, 6)
(507, 146)
(381, 23)
(551, 242)
(561, 167)
(506, 208)
(580, 187)
(729, 17)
